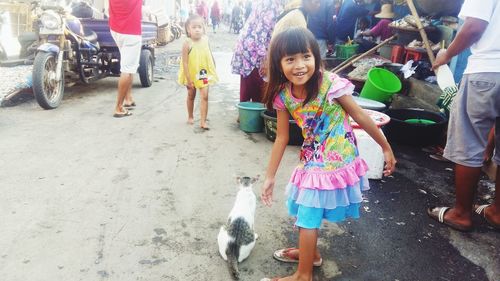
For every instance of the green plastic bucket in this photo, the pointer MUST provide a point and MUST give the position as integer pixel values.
(250, 119)
(380, 85)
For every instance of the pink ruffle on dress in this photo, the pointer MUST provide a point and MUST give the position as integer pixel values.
(331, 175)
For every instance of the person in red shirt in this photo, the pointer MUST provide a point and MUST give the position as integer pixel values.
(215, 15)
(125, 25)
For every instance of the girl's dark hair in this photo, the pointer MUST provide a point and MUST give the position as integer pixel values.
(291, 41)
(191, 18)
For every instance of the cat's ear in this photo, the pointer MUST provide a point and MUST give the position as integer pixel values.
(255, 179)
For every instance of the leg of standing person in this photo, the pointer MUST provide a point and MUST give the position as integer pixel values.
(251, 87)
(204, 107)
(191, 95)
(472, 117)
(492, 212)
(307, 255)
(129, 47)
(124, 86)
(308, 239)
(129, 101)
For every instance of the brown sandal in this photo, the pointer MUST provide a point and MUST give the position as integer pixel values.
(284, 256)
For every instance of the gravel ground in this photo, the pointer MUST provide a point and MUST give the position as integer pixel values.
(14, 79)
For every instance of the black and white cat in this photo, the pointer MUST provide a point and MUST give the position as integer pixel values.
(236, 238)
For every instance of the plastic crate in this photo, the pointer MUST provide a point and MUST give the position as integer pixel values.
(346, 51)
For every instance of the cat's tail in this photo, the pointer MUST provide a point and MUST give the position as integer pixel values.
(232, 262)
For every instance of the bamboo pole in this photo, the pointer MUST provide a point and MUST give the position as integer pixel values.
(421, 29)
(345, 62)
(355, 59)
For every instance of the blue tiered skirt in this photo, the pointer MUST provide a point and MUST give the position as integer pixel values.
(334, 196)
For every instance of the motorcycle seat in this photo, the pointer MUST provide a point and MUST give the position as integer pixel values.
(90, 35)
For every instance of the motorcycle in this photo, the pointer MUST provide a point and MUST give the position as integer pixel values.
(81, 49)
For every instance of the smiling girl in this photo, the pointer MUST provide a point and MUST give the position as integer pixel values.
(327, 183)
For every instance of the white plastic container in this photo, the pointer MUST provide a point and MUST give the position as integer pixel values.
(371, 152)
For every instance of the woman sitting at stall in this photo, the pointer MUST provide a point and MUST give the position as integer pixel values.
(380, 31)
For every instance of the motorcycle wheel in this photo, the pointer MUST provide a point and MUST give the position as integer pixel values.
(146, 68)
(48, 92)
(174, 32)
(179, 32)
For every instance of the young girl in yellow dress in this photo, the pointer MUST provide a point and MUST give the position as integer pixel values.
(197, 69)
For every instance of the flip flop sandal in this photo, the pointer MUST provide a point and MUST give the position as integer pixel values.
(480, 210)
(130, 105)
(123, 114)
(284, 256)
(429, 149)
(439, 157)
(437, 213)
(269, 279)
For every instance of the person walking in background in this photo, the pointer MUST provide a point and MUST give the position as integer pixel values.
(197, 68)
(321, 24)
(250, 50)
(349, 12)
(215, 15)
(237, 17)
(125, 26)
(202, 10)
(248, 9)
(328, 182)
(475, 110)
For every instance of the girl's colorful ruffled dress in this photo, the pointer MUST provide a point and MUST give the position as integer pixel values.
(327, 184)
(201, 66)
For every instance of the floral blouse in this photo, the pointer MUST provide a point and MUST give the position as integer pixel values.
(251, 47)
(329, 141)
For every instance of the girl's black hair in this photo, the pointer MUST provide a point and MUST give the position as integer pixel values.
(191, 18)
(291, 41)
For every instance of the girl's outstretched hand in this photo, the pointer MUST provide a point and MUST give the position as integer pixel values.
(390, 162)
(266, 194)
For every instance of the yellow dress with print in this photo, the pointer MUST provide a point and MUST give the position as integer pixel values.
(201, 66)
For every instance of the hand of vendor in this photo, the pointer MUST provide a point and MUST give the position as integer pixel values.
(442, 57)
(366, 33)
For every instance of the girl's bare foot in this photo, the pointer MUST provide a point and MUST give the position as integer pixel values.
(190, 121)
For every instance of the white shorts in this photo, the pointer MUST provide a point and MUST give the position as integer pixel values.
(130, 51)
